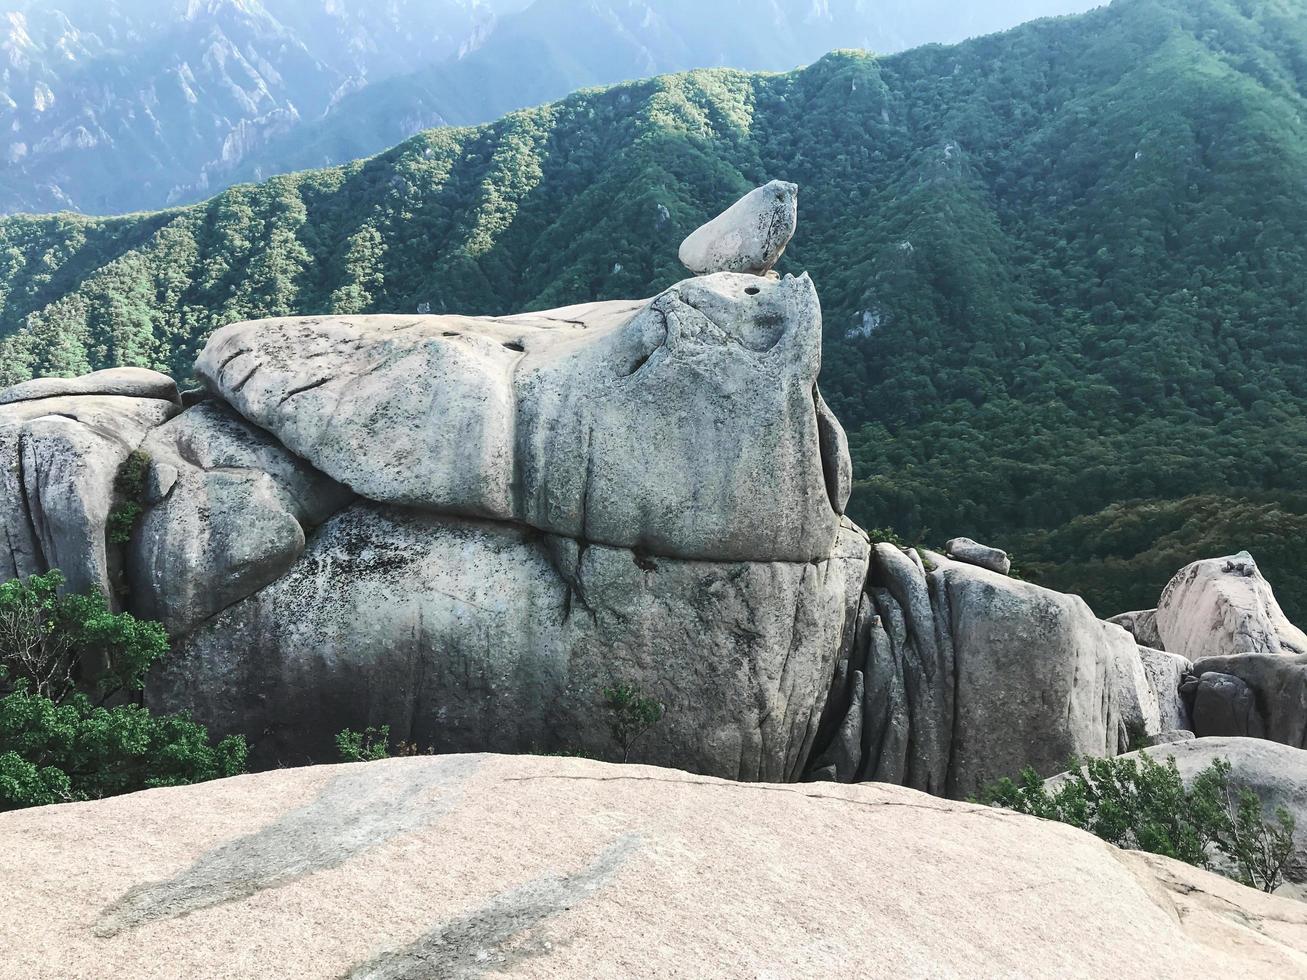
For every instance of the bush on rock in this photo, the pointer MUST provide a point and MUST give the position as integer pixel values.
(1141, 804)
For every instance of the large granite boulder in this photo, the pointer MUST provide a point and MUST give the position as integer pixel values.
(749, 236)
(960, 675)
(679, 427)
(468, 866)
(463, 633)
(128, 382)
(1220, 607)
(60, 456)
(228, 512)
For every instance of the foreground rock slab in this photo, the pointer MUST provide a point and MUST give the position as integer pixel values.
(467, 866)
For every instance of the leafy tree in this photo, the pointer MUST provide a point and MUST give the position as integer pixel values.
(53, 641)
(1138, 803)
(57, 743)
(631, 715)
(368, 745)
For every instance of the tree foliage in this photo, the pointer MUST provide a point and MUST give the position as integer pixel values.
(57, 742)
(631, 715)
(1141, 804)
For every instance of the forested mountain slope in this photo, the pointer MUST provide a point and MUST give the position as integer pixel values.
(1063, 268)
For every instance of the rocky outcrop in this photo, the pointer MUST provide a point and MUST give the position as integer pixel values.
(749, 237)
(464, 866)
(461, 633)
(59, 459)
(974, 553)
(228, 512)
(679, 427)
(128, 382)
(959, 675)
(467, 528)
(1249, 660)
(1221, 607)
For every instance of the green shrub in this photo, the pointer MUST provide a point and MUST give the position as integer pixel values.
(56, 753)
(57, 643)
(57, 744)
(631, 715)
(1140, 804)
(129, 496)
(368, 745)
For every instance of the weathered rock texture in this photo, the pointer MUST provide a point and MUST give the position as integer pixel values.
(229, 508)
(466, 529)
(960, 675)
(59, 458)
(749, 236)
(461, 633)
(680, 427)
(1251, 662)
(1221, 607)
(470, 866)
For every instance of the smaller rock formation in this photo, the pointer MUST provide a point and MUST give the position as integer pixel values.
(1221, 607)
(60, 456)
(958, 675)
(128, 382)
(747, 237)
(1165, 673)
(1249, 660)
(1142, 625)
(474, 866)
(983, 556)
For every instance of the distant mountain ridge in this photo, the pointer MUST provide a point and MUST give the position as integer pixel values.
(128, 105)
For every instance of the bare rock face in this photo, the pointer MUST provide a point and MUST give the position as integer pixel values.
(228, 511)
(1165, 673)
(467, 866)
(959, 676)
(462, 633)
(59, 458)
(1250, 660)
(1222, 607)
(983, 556)
(1142, 625)
(128, 382)
(749, 236)
(677, 427)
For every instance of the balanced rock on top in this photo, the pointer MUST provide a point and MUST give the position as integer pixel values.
(749, 236)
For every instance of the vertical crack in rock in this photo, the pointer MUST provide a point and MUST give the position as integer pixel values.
(32, 514)
(495, 936)
(356, 811)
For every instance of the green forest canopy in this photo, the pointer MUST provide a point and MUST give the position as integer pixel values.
(1062, 267)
